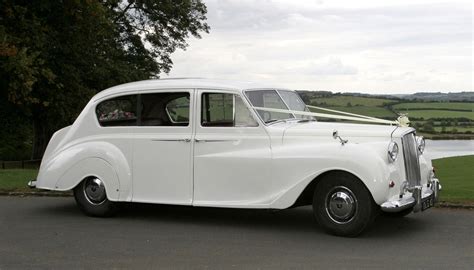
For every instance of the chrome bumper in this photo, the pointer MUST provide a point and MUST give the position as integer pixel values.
(32, 184)
(418, 196)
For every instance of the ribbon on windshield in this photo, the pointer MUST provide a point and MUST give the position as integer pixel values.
(346, 116)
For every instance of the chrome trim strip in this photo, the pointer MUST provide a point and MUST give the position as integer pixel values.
(171, 140)
(223, 140)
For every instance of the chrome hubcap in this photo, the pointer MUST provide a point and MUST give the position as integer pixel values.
(341, 205)
(94, 190)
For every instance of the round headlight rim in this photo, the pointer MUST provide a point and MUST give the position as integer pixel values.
(393, 151)
(420, 144)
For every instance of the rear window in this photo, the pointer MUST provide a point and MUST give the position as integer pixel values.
(119, 111)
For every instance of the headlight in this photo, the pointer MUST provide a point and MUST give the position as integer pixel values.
(420, 143)
(392, 151)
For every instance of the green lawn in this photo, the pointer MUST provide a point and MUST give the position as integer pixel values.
(457, 178)
(436, 105)
(16, 179)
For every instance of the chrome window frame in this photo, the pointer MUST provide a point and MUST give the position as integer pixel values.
(171, 119)
(234, 94)
(272, 89)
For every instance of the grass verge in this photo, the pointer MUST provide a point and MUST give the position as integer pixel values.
(16, 179)
(456, 175)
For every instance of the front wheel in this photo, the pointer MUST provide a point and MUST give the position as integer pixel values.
(91, 197)
(342, 205)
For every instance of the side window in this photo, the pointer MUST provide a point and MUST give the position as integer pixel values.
(164, 109)
(119, 111)
(178, 110)
(225, 110)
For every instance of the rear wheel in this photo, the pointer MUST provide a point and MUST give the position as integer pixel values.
(91, 197)
(342, 205)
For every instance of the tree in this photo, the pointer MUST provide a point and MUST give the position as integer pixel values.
(428, 127)
(55, 55)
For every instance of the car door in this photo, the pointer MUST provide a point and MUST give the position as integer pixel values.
(162, 159)
(232, 154)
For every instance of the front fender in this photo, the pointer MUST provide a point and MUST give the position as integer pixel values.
(297, 166)
(70, 166)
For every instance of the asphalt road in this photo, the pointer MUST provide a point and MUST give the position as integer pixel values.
(51, 233)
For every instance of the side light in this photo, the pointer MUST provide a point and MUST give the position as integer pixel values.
(392, 151)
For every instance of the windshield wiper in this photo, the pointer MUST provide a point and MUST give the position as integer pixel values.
(306, 120)
(274, 121)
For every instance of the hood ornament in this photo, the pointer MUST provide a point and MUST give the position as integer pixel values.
(335, 135)
(403, 120)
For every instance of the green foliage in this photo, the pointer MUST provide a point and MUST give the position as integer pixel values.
(428, 126)
(55, 55)
(15, 133)
(343, 100)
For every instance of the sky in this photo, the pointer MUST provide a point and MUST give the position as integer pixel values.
(367, 46)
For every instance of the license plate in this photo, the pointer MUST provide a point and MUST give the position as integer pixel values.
(427, 203)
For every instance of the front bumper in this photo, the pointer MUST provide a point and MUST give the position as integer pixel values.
(418, 198)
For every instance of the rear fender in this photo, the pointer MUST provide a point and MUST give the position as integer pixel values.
(67, 168)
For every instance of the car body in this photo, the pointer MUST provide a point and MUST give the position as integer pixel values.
(201, 142)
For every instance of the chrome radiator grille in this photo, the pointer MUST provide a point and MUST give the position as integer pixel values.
(410, 156)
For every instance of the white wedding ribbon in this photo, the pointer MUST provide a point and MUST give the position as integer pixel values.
(341, 112)
(352, 117)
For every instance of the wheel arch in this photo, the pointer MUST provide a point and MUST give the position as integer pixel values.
(96, 167)
(306, 196)
(67, 168)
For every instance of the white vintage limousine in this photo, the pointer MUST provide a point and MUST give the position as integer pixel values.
(216, 143)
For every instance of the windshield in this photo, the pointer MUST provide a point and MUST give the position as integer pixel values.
(274, 99)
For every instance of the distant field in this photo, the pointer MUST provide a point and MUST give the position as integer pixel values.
(436, 105)
(427, 114)
(342, 101)
(368, 111)
(459, 129)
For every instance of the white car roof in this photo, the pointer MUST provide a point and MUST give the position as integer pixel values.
(186, 83)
